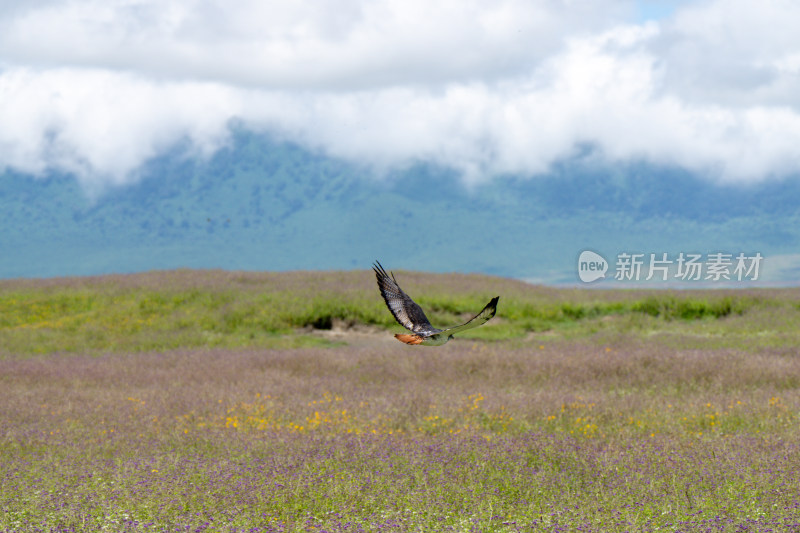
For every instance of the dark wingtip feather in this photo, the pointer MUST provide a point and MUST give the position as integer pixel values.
(493, 304)
(379, 267)
(381, 272)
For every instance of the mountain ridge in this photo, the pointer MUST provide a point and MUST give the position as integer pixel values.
(262, 204)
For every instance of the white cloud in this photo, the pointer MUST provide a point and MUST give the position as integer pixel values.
(102, 125)
(297, 44)
(98, 87)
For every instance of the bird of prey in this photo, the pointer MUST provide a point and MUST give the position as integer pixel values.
(411, 316)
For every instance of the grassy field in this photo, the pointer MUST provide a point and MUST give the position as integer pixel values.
(220, 401)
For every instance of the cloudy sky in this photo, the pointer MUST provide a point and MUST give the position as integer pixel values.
(97, 87)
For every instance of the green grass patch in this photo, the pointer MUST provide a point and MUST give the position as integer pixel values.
(215, 309)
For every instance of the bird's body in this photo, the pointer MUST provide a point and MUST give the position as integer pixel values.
(411, 316)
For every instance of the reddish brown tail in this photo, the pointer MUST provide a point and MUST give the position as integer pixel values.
(409, 339)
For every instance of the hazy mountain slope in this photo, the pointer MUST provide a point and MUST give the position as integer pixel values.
(265, 205)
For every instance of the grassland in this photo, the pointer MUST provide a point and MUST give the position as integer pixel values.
(220, 401)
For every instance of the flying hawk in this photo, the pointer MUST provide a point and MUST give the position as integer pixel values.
(411, 316)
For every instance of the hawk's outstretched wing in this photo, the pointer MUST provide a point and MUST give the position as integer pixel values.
(404, 309)
(478, 320)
